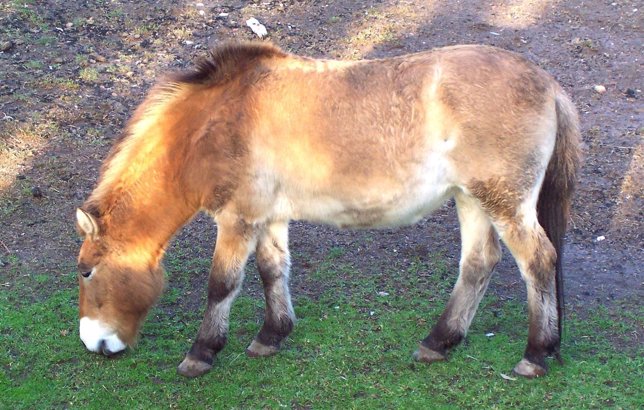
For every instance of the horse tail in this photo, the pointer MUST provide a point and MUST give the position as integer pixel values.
(553, 205)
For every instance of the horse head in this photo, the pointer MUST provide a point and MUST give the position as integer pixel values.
(118, 285)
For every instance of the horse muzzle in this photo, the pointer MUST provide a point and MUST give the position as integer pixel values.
(99, 337)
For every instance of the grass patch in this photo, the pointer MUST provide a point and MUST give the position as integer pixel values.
(350, 349)
(50, 82)
(34, 65)
(88, 74)
(46, 40)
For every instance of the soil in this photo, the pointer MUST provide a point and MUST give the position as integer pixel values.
(72, 72)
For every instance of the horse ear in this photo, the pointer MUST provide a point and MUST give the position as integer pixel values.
(87, 223)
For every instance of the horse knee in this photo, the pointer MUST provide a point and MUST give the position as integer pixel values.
(219, 288)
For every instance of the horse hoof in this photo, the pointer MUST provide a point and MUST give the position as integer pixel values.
(528, 369)
(426, 355)
(193, 368)
(257, 349)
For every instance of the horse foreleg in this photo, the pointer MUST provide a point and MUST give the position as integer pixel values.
(273, 263)
(480, 252)
(235, 242)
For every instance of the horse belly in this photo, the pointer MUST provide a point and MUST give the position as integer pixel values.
(372, 205)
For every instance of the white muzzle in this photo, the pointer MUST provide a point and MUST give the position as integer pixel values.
(99, 337)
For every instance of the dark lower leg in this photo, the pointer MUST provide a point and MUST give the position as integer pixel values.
(543, 336)
(273, 264)
(480, 252)
(454, 322)
(213, 332)
(276, 328)
(226, 276)
(443, 336)
(536, 258)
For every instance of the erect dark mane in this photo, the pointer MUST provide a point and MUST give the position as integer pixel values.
(225, 62)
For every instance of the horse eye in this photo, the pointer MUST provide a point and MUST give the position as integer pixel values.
(86, 274)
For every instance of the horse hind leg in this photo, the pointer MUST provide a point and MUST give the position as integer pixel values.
(273, 263)
(518, 227)
(536, 258)
(235, 242)
(480, 252)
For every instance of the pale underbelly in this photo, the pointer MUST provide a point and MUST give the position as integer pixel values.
(383, 211)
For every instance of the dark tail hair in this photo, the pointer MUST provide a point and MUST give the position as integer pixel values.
(553, 206)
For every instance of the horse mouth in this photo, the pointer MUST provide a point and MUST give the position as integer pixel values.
(99, 338)
(105, 351)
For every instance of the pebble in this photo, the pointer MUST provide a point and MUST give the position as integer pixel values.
(599, 89)
(6, 45)
(69, 25)
(257, 27)
(631, 93)
(36, 192)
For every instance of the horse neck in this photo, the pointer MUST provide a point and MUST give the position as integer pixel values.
(147, 216)
(173, 165)
(142, 197)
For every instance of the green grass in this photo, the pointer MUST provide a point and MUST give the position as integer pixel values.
(88, 74)
(350, 349)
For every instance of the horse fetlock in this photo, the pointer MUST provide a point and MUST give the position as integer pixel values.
(427, 355)
(274, 330)
(530, 370)
(443, 336)
(192, 367)
(553, 347)
(555, 352)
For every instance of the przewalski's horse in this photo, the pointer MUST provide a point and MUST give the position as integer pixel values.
(258, 137)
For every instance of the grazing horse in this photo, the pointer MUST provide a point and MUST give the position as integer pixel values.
(258, 137)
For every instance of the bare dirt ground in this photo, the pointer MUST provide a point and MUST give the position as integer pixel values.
(71, 73)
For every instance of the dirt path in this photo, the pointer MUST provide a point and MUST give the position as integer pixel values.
(71, 73)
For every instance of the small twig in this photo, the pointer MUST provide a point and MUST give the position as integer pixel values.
(616, 146)
(5, 247)
(235, 358)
